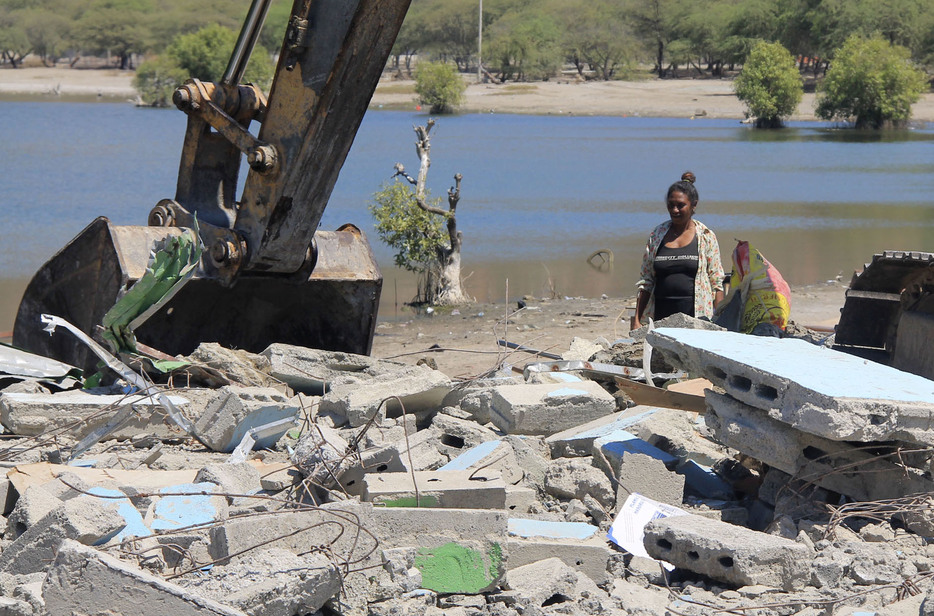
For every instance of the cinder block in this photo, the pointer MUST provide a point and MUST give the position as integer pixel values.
(579, 545)
(234, 411)
(85, 519)
(455, 436)
(83, 580)
(519, 499)
(578, 441)
(34, 414)
(832, 465)
(728, 553)
(420, 388)
(827, 393)
(614, 446)
(545, 409)
(445, 489)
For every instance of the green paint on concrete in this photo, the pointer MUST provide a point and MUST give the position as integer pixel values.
(452, 568)
(409, 501)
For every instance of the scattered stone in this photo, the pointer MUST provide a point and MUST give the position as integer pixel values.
(235, 410)
(548, 581)
(576, 478)
(544, 409)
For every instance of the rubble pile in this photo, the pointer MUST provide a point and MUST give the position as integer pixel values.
(311, 482)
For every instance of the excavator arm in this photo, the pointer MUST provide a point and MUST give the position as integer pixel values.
(267, 274)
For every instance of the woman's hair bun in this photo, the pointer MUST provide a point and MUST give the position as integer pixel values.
(687, 176)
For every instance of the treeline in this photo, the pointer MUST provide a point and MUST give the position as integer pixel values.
(522, 39)
(531, 39)
(57, 30)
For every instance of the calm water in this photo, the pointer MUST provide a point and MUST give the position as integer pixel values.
(540, 193)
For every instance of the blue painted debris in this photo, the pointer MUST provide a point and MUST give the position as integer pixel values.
(565, 392)
(521, 527)
(194, 505)
(471, 456)
(615, 445)
(135, 526)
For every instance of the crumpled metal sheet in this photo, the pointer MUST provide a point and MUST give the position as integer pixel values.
(23, 363)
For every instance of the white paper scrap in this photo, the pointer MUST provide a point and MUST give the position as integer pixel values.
(628, 529)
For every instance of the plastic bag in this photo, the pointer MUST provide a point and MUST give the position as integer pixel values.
(759, 296)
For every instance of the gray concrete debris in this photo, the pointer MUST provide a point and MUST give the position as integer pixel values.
(474, 397)
(841, 467)
(234, 410)
(86, 519)
(548, 581)
(816, 390)
(241, 367)
(420, 389)
(544, 409)
(728, 553)
(270, 582)
(322, 454)
(83, 580)
(581, 349)
(578, 440)
(78, 413)
(456, 436)
(576, 478)
(649, 477)
(32, 506)
(444, 489)
(587, 556)
(240, 478)
(313, 371)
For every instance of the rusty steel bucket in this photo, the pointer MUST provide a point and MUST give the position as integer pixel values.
(333, 308)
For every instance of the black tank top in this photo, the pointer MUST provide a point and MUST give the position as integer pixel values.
(675, 271)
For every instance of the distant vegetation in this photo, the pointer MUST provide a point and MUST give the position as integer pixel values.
(523, 40)
(769, 85)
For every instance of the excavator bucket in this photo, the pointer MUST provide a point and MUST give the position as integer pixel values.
(267, 273)
(334, 308)
(888, 315)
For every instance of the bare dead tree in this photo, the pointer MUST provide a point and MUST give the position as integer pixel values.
(444, 289)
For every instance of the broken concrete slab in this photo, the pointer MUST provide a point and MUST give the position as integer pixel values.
(728, 553)
(578, 441)
(446, 489)
(234, 410)
(841, 467)
(85, 519)
(455, 435)
(474, 397)
(79, 413)
(702, 481)
(83, 580)
(579, 545)
(817, 390)
(619, 443)
(420, 389)
(314, 371)
(232, 479)
(545, 409)
(241, 367)
(270, 582)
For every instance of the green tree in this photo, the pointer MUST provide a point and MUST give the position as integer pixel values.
(871, 83)
(201, 55)
(114, 26)
(525, 45)
(47, 33)
(439, 86)
(769, 85)
(412, 232)
(14, 44)
(596, 36)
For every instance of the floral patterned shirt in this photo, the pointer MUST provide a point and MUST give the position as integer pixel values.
(709, 277)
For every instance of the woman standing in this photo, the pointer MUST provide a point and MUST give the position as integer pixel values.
(681, 269)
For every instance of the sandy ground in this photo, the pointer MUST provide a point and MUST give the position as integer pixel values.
(469, 335)
(682, 98)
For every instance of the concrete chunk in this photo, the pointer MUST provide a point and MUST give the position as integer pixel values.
(549, 580)
(240, 478)
(314, 372)
(729, 553)
(86, 519)
(420, 388)
(578, 441)
(445, 489)
(493, 455)
(34, 414)
(814, 389)
(234, 410)
(187, 504)
(642, 474)
(545, 409)
(575, 478)
(83, 580)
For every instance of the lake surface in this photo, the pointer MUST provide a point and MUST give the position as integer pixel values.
(539, 194)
